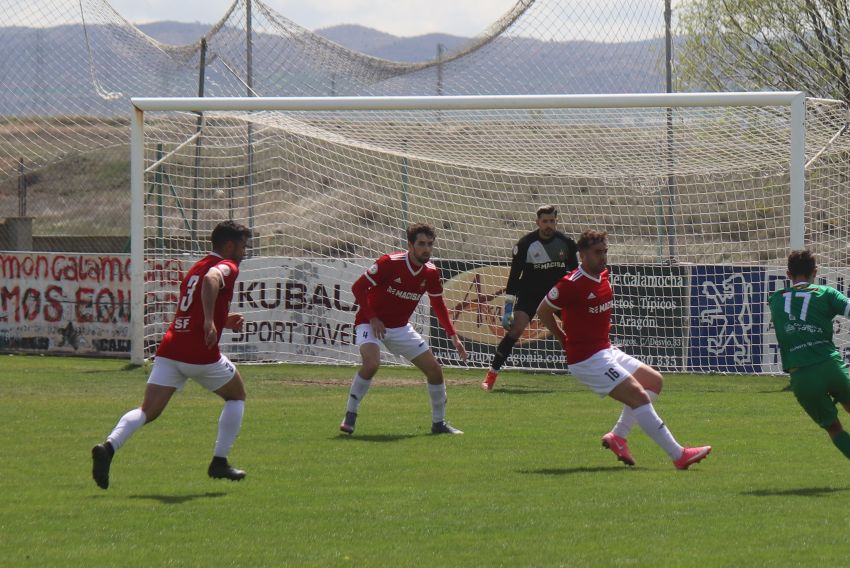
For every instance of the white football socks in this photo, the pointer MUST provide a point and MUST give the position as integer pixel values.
(128, 424)
(655, 428)
(229, 424)
(438, 401)
(359, 388)
(624, 425)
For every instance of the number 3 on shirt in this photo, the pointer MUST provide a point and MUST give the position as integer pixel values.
(186, 300)
(807, 296)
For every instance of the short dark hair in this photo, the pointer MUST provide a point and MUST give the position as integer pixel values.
(228, 231)
(590, 237)
(420, 228)
(547, 210)
(801, 263)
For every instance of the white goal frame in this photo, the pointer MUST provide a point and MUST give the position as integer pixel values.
(796, 100)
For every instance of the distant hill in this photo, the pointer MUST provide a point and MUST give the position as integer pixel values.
(633, 66)
(175, 33)
(387, 46)
(515, 65)
(627, 61)
(355, 37)
(358, 38)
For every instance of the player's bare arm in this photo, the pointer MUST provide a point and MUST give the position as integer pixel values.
(378, 328)
(438, 305)
(546, 313)
(461, 350)
(209, 292)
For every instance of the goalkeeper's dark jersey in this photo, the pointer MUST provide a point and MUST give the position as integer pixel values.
(538, 264)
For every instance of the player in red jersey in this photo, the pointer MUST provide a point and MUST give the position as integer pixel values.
(190, 349)
(584, 298)
(387, 294)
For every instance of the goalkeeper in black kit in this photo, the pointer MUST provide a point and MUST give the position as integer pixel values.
(540, 259)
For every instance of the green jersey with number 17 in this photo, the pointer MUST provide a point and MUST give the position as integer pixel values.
(802, 316)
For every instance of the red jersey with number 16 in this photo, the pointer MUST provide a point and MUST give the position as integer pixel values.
(585, 303)
(184, 340)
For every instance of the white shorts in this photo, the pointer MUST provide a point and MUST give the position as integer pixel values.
(170, 373)
(402, 341)
(605, 369)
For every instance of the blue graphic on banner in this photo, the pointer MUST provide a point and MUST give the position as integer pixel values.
(727, 311)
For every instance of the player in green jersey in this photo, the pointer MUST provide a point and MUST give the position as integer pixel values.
(802, 315)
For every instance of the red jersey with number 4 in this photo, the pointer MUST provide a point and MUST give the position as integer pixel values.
(585, 303)
(184, 340)
(396, 288)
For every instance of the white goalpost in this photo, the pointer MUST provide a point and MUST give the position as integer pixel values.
(703, 195)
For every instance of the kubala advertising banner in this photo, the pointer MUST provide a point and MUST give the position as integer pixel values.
(297, 310)
(62, 303)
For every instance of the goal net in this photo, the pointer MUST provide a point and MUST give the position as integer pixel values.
(702, 194)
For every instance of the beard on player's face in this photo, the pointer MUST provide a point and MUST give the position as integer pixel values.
(229, 251)
(236, 251)
(599, 263)
(546, 225)
(421, 251)
(594, 261)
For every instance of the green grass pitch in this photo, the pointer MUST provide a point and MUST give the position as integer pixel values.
(527, 485)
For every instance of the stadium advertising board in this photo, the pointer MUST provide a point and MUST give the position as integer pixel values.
(688, 318)
(474, 295)
(299, 310)
(650, 313)
(728, 305)
(63, 303)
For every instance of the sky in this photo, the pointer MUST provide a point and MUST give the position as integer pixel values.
(398, 17)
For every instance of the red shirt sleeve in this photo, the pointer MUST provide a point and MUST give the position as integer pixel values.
(434, 284)
(373, 276)
(558, 296)
(360, 288)
(442, 313)
(377, 273)
(229, 271)
(435, 295)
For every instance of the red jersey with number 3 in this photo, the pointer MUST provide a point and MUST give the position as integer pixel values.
(397, 288)
(585, 302)
(184, 340)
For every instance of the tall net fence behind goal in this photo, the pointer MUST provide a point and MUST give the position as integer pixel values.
(698, 201)
(69, 68)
